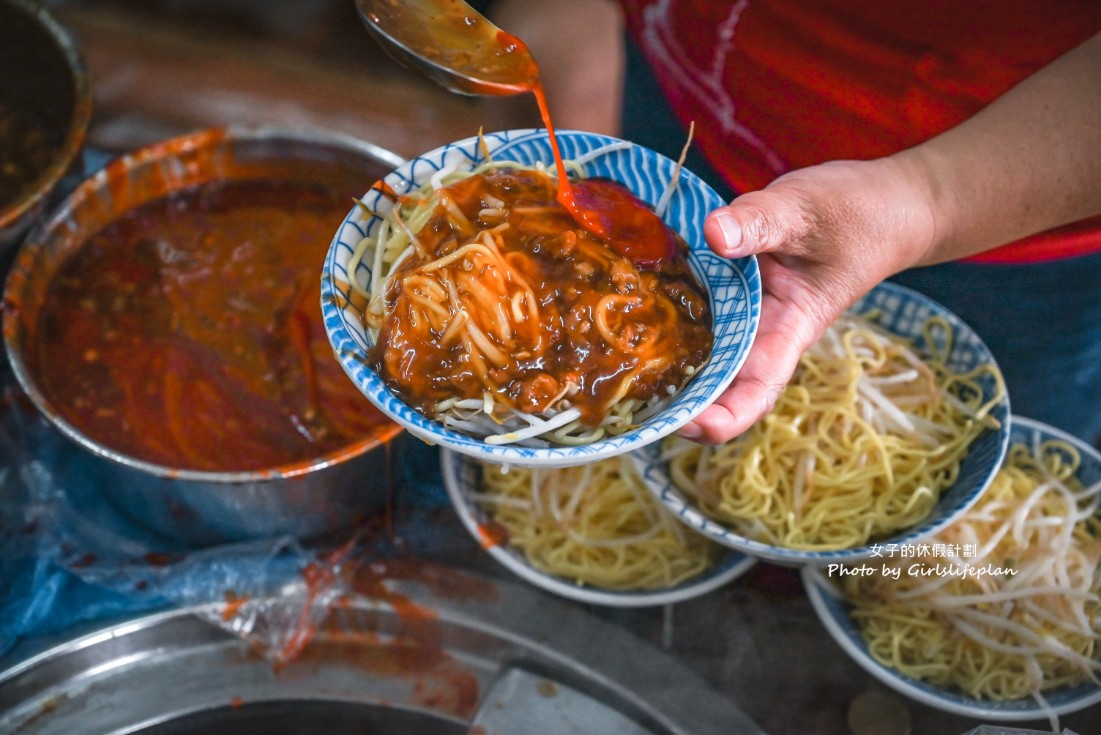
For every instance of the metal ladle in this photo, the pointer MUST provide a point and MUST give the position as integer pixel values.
(451, 43)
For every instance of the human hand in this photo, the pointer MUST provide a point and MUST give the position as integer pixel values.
(824, 236)
(827, 234)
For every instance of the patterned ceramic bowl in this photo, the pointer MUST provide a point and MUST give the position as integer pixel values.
(464, 479)
(902, 312)
(733, 286)
(833, 611)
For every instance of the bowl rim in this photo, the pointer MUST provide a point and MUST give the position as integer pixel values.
(1023, 709)
(349, 349)
(687, 511)
(88, 189)
(730, 564)
(60, 163)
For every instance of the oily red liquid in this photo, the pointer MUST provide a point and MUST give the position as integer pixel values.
(612, 214)
(188, 332)
(454, 38)
(563, 344)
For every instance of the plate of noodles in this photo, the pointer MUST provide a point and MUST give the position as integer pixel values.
(893, 424)
(590, 533)
(998, 615)
(500, 326)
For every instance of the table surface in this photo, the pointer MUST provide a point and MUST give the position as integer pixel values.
(165, 67)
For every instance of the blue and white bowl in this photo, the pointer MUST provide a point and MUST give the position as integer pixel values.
(903, 312)
(833, 611)
(733, 285)
(462, 476)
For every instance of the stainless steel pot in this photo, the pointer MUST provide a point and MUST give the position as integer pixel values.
(200, 507)
(43, 75)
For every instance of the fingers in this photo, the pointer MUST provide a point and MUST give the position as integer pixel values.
(723, 231)
(757, 222)
(766, 372)
(815, 257)
(823, 235)
(744, 403)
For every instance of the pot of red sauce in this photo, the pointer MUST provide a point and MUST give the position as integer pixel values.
(166, 318)
(45, 108)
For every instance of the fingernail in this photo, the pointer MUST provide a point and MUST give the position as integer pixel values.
(690, 431)
(732, 232)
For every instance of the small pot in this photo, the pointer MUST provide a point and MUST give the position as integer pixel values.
(44, 78)
(203, 507)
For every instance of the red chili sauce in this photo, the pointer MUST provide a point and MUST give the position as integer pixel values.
(455, 38)
(662, 314)
(188, 332)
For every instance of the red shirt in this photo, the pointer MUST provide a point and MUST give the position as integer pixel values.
(775, 85)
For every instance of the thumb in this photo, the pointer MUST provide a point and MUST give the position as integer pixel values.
(757, 222)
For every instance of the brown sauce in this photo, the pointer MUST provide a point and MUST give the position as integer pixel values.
(188, 332)
(660, 315)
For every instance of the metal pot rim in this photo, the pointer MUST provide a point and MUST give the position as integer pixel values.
(64, 157)
(88, 189)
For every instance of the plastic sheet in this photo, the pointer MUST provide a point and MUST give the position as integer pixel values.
(66, 556)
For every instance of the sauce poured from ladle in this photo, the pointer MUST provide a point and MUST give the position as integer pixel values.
(460, 49)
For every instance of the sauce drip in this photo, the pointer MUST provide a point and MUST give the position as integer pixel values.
(188, 332)
(610, 213)
(621, 220)
(499, 63)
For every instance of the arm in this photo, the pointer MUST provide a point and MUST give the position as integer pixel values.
(1028, 162)
(827, 234)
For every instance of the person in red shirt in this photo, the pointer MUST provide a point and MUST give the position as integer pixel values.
(954, 147)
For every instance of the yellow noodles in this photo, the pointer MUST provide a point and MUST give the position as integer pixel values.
(595, 525)
(860, 444)
(1018, 616)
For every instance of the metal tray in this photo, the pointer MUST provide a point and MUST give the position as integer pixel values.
(434, 664)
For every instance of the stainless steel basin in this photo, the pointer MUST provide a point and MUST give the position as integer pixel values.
(427, 665)
(199, 507)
